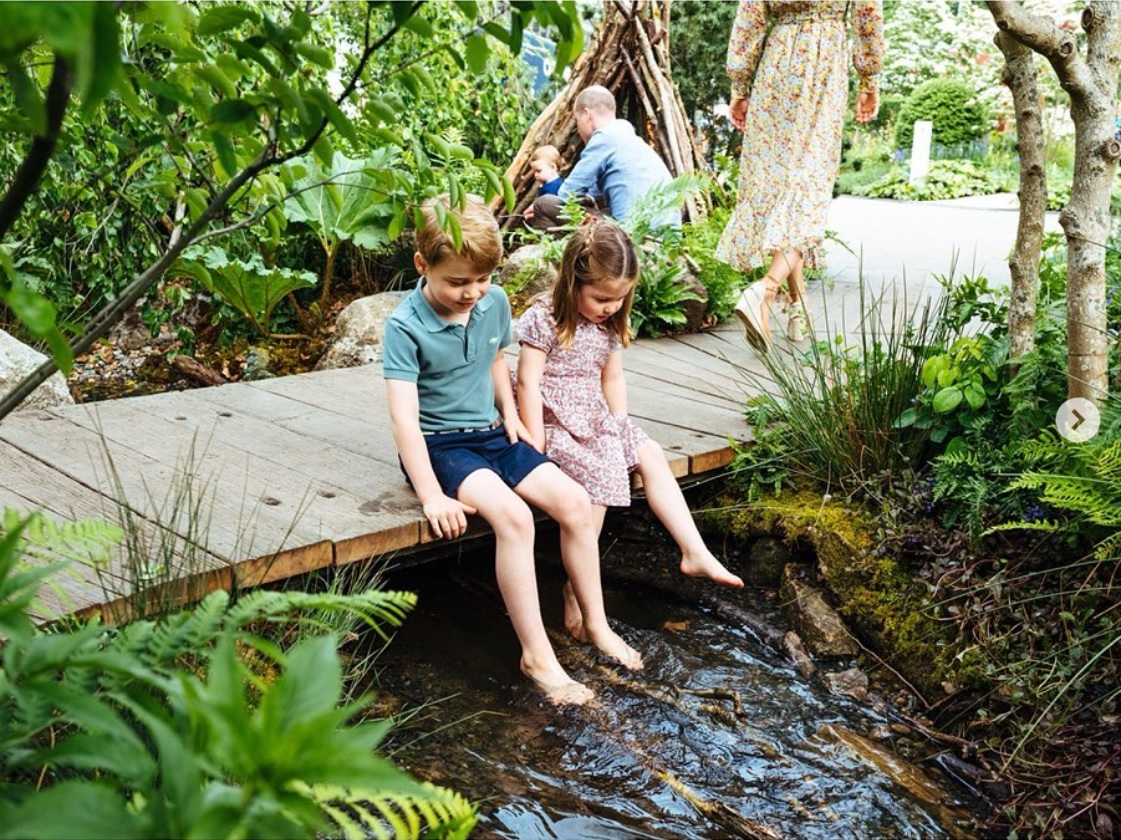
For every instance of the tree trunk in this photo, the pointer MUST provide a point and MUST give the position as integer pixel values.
(1020, 76)
(1092, 85)
(629, 55)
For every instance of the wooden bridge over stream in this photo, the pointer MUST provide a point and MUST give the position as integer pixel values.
(248, 483)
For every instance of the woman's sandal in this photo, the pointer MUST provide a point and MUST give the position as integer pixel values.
(751, 310)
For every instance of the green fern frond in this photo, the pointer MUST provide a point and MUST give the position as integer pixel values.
(1038, 525)
(438, 812)
(86, 541)
(375, 607)
(162, 642)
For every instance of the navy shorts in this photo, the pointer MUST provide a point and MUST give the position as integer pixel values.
(455, 455)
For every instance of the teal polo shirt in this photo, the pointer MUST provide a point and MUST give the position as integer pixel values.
(449, 363)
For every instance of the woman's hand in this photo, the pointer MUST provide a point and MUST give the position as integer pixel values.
(867, 106)
(737, 112)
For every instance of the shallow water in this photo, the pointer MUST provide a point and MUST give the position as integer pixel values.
(645, 759)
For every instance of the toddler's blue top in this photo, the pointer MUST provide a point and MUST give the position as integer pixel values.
(551, 187)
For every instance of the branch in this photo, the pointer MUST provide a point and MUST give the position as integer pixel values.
(1057, 45)
(180, 241)
(26, 179)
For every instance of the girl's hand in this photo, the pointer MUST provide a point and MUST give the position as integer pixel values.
(447, 516)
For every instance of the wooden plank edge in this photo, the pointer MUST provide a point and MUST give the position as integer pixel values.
(284, 564)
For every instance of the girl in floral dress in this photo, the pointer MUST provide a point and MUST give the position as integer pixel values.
(573, 399)
(788, 63)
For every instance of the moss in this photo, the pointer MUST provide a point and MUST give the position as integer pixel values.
(881, 600)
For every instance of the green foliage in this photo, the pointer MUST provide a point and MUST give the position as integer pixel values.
(936, 39)
(953, 108)
(251, 287)
(185, 136)
(946, 179)
(722, 282)
(699, 51)
(838, 404)
(157, 729)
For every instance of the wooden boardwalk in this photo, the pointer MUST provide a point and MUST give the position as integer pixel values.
(248, 483)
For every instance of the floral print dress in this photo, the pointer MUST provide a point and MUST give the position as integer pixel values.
(796, 79)
(594, 447)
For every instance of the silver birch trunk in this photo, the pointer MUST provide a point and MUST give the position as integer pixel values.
(1091, 82)
(1020, 77)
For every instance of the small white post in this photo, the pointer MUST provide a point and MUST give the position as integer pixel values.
(920, 152)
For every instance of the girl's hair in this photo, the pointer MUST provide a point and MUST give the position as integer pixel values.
(598, 250)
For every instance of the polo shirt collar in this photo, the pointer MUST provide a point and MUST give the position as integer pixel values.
(433, 322)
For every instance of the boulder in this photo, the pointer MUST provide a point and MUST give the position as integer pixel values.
(530, 270)
(766, 560)
(17, 360)
(694, 310)
(816, 622)
(359, 331)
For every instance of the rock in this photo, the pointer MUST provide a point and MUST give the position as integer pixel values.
(816, 622)
(797, 653)
(359, 331)
(694, 310)
(766, 560)
(530, 270)
(17, 360)
(851, 683)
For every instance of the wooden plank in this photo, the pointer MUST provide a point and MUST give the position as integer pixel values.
(149, 484)
(83, 590)
(369, 437)
(386, 516)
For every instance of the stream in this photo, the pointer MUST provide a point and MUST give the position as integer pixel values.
(757, 751)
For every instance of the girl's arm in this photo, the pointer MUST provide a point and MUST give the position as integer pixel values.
(531, 367)
(504, 399)
(444, 514)
(614, 385)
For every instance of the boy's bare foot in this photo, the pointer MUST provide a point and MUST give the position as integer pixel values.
(707, 566)
(560, 688)
(573, 618)
(611, 644)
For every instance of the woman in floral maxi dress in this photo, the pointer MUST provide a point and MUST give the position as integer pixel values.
(789, 94)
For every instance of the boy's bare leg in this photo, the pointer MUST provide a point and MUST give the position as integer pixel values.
(669, 505)
(512, 522)
(573, 618)
(567, 502)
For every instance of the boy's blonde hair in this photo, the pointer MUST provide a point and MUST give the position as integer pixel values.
(481, 240)
(598, 250)
(550, 154)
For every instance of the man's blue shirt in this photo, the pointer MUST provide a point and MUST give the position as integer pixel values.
(618, 165)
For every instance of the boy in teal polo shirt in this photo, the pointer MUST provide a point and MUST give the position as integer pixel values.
(463, 447)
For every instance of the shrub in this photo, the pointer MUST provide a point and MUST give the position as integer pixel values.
(953, 108)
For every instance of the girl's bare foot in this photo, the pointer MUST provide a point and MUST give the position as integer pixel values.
(560, 688)
(707, 566)
(573, 618)
(611, 644)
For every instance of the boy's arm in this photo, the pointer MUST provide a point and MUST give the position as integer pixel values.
(614, 384)
(504, 399)
(531, 367)
(444, 514)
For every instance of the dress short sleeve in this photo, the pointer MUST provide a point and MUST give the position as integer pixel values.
(537, 328)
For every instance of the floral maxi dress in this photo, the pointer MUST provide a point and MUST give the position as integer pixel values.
(594, 447)
(796, 79)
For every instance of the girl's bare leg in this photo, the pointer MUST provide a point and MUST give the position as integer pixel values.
(669, 505)
(573, 618)
(512, 522)
(567, 502)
